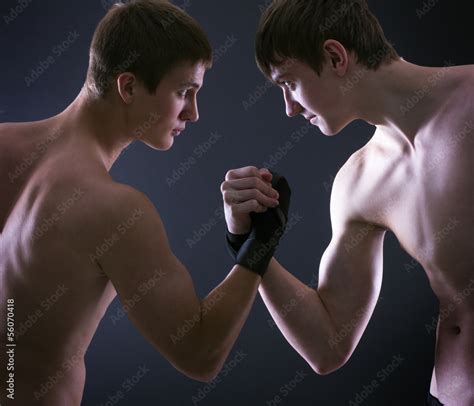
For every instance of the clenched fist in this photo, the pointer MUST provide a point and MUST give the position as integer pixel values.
(246, 190)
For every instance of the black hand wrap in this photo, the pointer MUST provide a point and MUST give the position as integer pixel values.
(255, 249)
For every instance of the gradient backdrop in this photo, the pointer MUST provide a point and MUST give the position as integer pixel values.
(243, 122)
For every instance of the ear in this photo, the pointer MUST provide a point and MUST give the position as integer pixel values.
(337, 56)
(126, 86)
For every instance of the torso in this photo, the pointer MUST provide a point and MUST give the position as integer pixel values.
(46, 191)
(425, 196)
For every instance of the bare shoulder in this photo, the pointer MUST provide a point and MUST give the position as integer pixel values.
(348, 180)
(115, 202)
(348, 188)
(110, 211)
(360, 192)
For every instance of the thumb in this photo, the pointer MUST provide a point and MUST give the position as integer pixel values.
(266, 174)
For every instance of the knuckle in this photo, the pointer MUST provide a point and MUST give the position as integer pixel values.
(229, 174)
(229, 197)
(224, 186)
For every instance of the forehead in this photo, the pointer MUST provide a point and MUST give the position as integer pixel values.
(187, 72)
(289, 67)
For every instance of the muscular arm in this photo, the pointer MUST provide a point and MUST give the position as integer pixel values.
(195, 335)
(326, 324)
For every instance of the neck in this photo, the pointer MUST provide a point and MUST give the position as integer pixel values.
(98, 127)
(400, 98)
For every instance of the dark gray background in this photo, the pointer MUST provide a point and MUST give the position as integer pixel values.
(250, 137)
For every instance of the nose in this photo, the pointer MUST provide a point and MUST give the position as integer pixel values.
(191, 112)
(293, 108)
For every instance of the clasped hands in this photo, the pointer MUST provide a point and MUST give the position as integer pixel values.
(256, 204)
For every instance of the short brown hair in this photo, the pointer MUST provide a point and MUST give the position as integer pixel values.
(147, 38)
(297, 29)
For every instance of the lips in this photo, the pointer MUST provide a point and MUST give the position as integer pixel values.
(177, 131)
(313, 120)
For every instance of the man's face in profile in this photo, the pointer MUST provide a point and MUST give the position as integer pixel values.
(317, 98)
(162, 116)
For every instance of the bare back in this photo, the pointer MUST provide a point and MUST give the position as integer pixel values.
(45, 262)
(425, 196)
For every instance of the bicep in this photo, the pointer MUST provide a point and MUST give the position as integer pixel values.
(350, 279)
(351, 268)
(152, 284)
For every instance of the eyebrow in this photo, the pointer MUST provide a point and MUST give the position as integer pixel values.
(278, 79)
(191, 84)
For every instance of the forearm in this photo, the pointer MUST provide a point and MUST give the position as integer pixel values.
(223, 314)
(301, 316)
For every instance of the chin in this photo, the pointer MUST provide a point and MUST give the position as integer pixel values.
(331, 129)
(162, 144)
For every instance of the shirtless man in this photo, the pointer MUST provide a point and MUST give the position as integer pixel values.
(414, 178)
(72, 238)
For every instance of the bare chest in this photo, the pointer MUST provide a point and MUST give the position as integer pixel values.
(427, 199)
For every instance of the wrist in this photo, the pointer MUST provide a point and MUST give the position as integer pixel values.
(234, 242)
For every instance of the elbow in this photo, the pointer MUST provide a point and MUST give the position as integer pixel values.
(203, 373)
(201, 367)
(324, 369)
(200, 375)
(327, 366)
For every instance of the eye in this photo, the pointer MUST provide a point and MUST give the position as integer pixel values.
(183, 93)
(289, 84)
